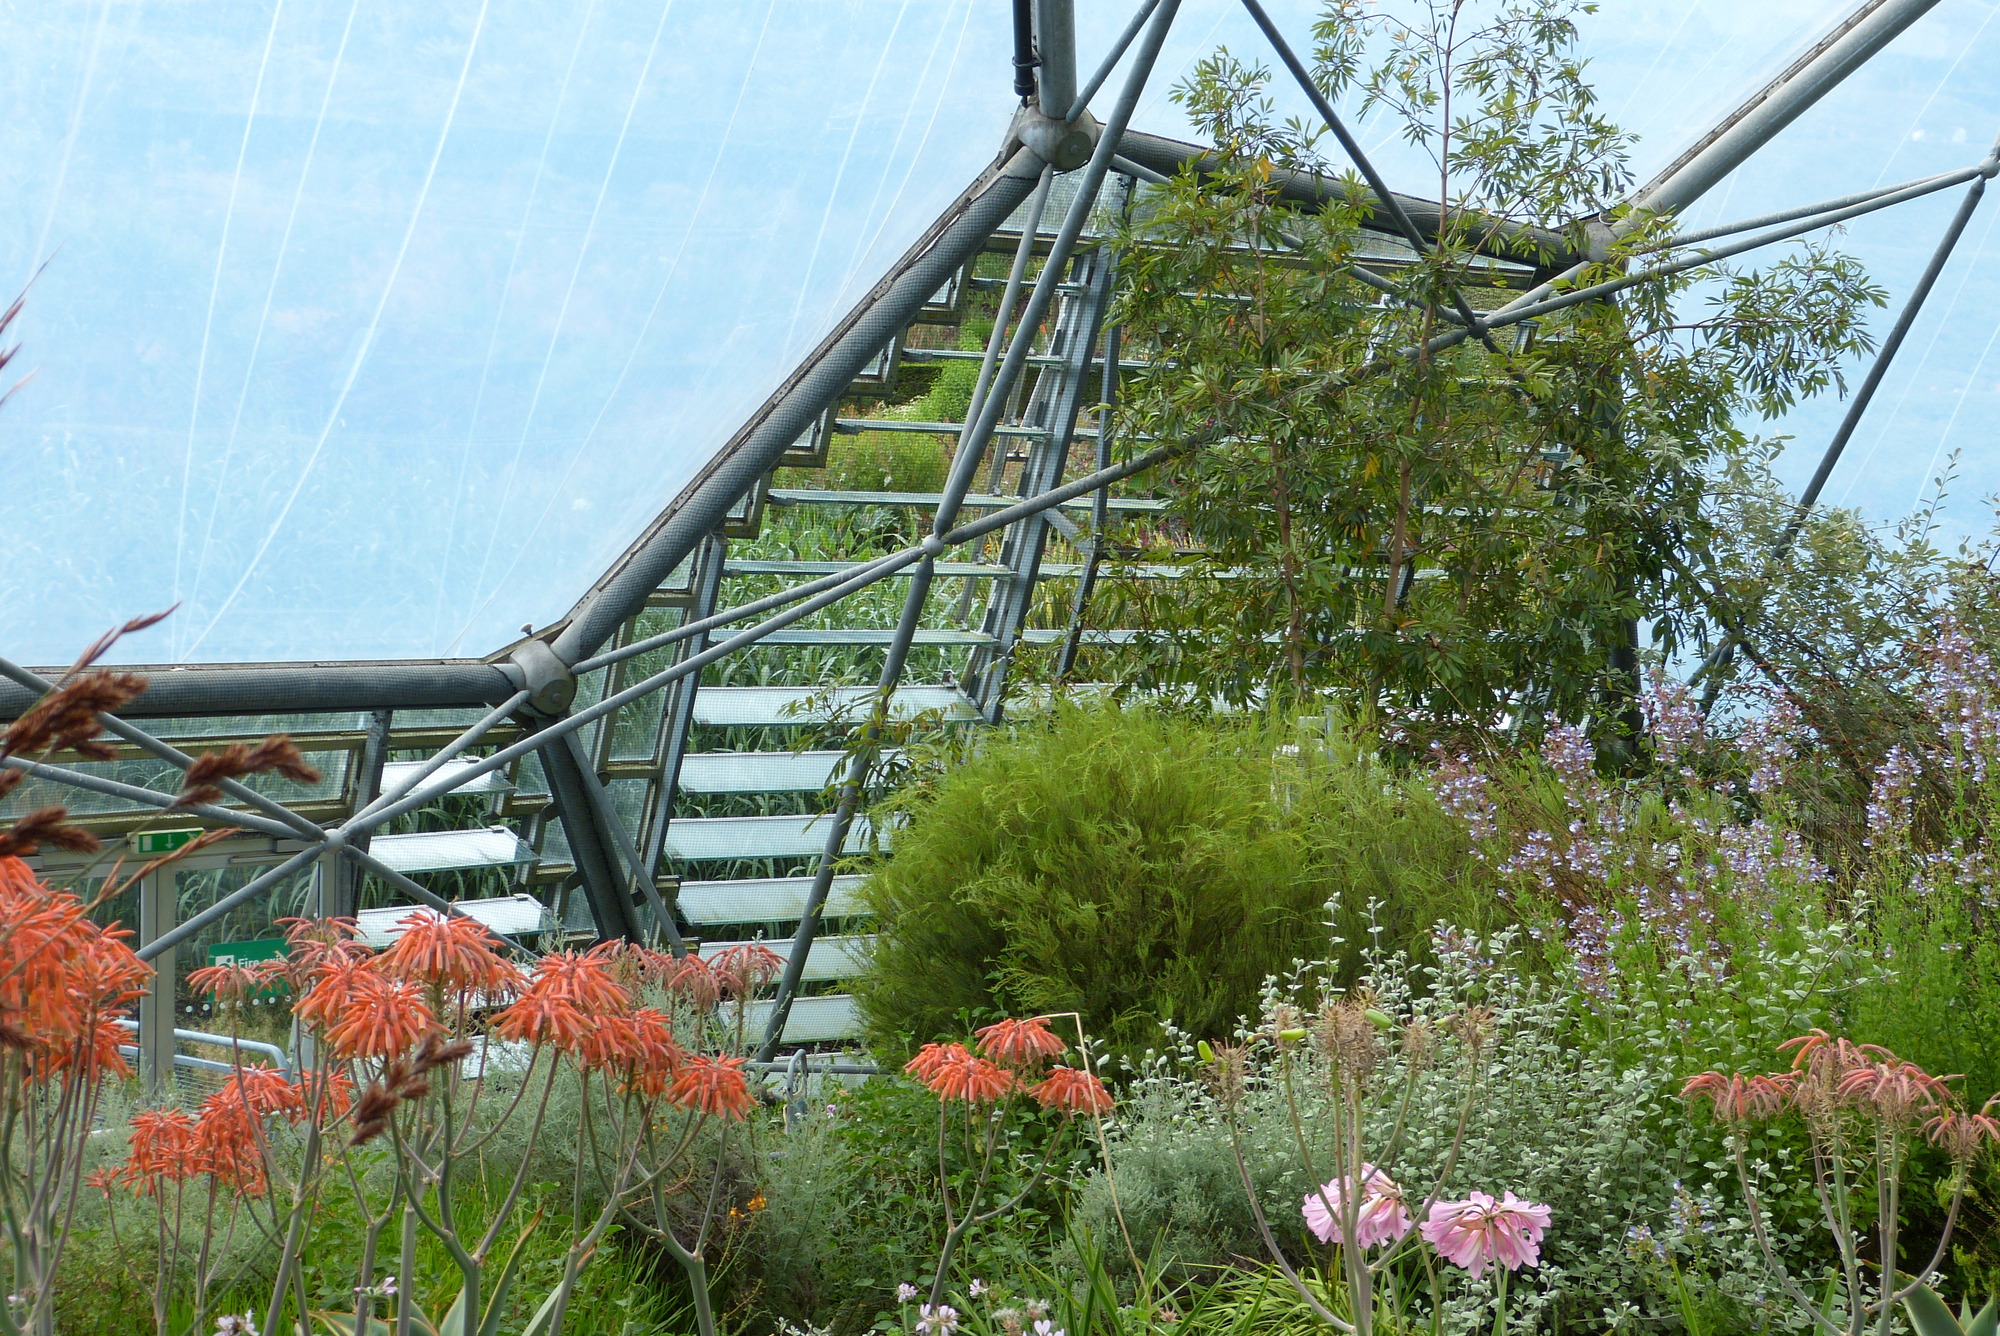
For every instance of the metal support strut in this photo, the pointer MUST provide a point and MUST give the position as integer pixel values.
(981, 418)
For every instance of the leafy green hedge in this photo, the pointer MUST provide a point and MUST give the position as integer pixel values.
(1135, 867)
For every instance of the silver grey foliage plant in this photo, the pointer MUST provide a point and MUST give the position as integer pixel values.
(1581, 1116)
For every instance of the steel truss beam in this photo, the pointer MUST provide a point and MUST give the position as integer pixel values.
(787, 414)
(1100, 515)
(981, 418)
(1061, 398)
(578, 798)
(678, 717)
(1724, 653)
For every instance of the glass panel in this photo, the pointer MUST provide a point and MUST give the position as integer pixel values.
(163, 777)
(451, 850)
(389, 330)
(635, 734)
(423, 319)
(764, 899)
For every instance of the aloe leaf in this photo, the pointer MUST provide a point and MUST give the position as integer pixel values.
(496, 1307)
(343, 1324)
(538, 1325)
(1987, 1323)
(1928, 1314)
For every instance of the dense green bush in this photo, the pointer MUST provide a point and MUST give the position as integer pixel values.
(1136, 867)
(852, 1209)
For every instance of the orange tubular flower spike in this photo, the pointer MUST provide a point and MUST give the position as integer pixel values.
(382, 1018)
(451, 953)
(1823, 1057)
(649, 1058)
(1020, 1043)
(226, 1146)
(543, 1016)
(583, 981)
(314, 943)
(743, 970)
(225, 983)
(691, 980)
(1739, 1099)
(713, 1086)
(1965, 1136)
(260, 1092)
(165, 1148)
(973, 1080)
(333, 984)
(1897, 1092)
(91, 1057)
(932, 1058)
(63, 979)
(1070, 1091)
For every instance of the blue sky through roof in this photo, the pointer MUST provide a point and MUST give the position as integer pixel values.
(371, 329)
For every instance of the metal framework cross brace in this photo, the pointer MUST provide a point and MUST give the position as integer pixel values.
(528, 694)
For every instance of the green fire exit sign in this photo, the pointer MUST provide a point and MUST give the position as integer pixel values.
(153, 843)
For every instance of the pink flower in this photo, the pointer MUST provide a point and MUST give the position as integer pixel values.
(1480, 1230)
(1381, 1217)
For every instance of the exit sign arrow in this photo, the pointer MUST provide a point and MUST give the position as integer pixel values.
(157, 842)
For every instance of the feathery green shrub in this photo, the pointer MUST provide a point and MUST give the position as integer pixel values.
(1137, 866)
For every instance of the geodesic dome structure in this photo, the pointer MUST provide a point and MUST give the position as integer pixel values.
(444, 368)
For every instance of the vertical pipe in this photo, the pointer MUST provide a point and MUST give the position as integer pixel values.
(156, 1008)
(1055, 43)
(340, 879)
(1024, 49)
(621, 852)
(979, 431)
(610, 900)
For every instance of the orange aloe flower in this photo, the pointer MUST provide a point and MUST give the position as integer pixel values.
(640, 1049)
(933, 1058)
(1739, 1099)
(1020, 1043)
(316, 943)
(333, 984)
(451, 953)
(381, 1018)
(165, 1149)
(262, 1092)
(714, 1086)
(1070, 1091)
(973, 1080)
(584, 981)
(1824, 1057)
(90, 1057)
(226, 983)
(691, 980)
(226, 1146)
(742, 970)
(63, 979)
(1896, 1091)
(543, 1015)
(1965, 1135)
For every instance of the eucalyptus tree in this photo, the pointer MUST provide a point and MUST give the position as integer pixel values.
(1451, 534)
